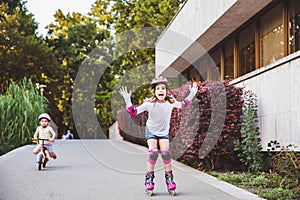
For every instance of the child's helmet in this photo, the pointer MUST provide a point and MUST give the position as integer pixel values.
(44, 116)
(159, 80)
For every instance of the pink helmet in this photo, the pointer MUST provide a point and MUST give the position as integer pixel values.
(159, 80)
(45, 116)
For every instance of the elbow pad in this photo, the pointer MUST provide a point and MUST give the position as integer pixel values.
(185, 104)
(132, 110)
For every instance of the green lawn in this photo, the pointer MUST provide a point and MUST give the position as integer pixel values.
(270, 186)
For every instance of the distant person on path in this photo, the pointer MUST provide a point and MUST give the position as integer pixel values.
(44, 131)
(68, 135)
(159, 108)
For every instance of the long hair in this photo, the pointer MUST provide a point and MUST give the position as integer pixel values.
(154, 99)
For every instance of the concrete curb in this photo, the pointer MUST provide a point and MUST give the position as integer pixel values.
(14, 153)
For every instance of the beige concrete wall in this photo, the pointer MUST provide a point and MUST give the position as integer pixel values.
(276, 85)
(278, 90)
(193, 20)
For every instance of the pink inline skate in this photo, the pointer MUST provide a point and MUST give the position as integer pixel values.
(149, 184)
(171, 185)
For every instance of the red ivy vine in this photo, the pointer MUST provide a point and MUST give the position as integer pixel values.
(195, 125)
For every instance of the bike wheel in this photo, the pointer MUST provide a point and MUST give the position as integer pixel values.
(39, 166)
(39, 161)
(45, 162)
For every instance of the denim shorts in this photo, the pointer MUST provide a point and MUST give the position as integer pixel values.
(149, 135)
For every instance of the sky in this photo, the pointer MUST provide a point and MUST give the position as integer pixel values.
(43, 10)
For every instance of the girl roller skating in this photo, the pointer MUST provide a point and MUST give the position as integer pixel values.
(159, 108)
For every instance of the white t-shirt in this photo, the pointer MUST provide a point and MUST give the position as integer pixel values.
(44, 133)
(159, 117)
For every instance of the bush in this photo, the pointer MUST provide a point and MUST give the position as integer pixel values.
(249, 145)
(286, 163)
(19, 109)
(132, 129)
(198, 123)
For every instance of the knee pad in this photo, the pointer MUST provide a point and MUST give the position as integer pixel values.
(166, 156)
(153, 154)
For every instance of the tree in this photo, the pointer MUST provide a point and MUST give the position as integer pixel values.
(73, 37)
(104, 19)
(12, 5)
(137, 16)
(131, 49)
(56, 60)
(138, 24)
(23, 54)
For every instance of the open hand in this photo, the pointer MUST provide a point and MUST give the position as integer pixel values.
(194, 88)
(125, 94)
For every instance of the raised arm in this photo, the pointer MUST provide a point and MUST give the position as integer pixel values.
(126, 96)
(188, 100)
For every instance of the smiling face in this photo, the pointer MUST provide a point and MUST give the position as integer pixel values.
(44, 122)
(160, 92)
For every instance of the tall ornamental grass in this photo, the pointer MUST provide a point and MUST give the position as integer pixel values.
(19, 109)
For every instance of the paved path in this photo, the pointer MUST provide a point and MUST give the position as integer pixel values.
(102, 169)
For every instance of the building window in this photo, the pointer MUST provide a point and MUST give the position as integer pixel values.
(294, 25)
(229, 60)
(193, 75)
(272, 35)
(215, 65)
(247, 50)
(203, 66)
(262, 40)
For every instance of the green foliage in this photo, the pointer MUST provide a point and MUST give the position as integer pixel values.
(286, 163)
(73, 37)
(136, 41)
(249, 145)
(266, 185)
(56, 59)
(282, 181)
(19, 109)
(24, 54)
(140, 13)
(231, 178)
(277, 194)
(132, 48)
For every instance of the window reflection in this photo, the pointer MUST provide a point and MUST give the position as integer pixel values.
(215, 63)
(294, 25)
(247, 50)
(229, 60)
(272, 44)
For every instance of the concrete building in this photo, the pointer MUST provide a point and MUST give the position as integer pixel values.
(254, 44)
